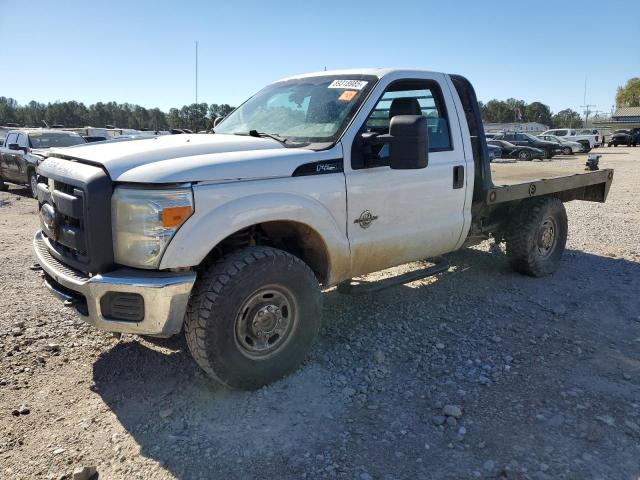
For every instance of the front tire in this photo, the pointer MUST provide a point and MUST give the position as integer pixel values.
(567, 151)
(253, 317)
(524, 155)
(537, 237)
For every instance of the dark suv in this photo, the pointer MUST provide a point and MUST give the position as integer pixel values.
(24, 149)
(625, 137)
(528, 140)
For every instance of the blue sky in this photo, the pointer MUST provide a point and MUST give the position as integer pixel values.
(143, 52)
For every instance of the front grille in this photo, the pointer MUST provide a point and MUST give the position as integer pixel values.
(75, 214)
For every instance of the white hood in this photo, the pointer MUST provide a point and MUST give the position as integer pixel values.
(189, 158)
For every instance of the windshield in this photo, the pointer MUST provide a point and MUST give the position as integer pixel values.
(301, 111)
(54, 139)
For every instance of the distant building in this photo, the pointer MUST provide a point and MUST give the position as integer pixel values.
(624, 117)
(528, 127)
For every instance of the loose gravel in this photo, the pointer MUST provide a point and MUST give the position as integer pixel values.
(478, 373)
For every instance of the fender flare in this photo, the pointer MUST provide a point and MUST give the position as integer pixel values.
(204, 230)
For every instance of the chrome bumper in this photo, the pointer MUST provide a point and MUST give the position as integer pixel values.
(165, 294)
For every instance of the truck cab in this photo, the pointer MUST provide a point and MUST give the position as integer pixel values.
(314, 180)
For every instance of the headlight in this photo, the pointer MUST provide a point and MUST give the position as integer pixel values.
(145, 220)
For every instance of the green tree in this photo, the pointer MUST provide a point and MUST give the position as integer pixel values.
(629, 95)
(538, 112)
(567, 118)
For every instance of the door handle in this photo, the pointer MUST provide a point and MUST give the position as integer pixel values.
(458, 176)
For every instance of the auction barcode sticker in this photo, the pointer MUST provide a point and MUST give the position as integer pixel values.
(350, 84)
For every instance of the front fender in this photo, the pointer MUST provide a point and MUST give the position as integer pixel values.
(220, 212)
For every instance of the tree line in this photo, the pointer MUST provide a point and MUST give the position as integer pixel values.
(196, 117)
(512, 110)
(200, 116)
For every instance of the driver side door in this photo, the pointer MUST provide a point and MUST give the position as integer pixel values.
(396, 216)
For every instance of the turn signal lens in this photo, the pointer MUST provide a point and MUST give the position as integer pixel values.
(174, 216)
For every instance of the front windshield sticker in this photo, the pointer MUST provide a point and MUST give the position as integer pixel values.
(351, 84)
(347, 95)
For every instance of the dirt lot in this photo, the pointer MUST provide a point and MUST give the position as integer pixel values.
(540, 377)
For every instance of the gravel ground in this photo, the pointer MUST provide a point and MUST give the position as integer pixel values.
(480, 373)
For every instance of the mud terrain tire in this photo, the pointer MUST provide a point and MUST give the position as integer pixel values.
(537, 238)
(253, 317)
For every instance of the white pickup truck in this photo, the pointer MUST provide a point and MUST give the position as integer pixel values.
(314, 180)
(587, 140)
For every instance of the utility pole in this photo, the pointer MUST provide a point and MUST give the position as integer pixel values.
(586, 105)
(196, 72)
(587, 112)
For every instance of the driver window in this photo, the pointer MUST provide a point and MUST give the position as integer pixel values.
(22, 140)
(409, 98)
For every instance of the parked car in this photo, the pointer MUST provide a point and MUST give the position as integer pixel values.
(521, 152)
(568, 147)
(588, 140)
(625, 137)
(24, 149)
(527, 140)
(494, 152)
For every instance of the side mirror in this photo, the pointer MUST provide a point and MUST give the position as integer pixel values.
(409, 146)
(15, 146)
(216, 121)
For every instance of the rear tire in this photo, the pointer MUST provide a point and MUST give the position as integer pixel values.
(3, 186)
(586, 145)
(548, 153)
(253, 317)
(33, 183)
(537, 237)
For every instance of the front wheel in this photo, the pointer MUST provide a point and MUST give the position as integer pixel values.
(33, 183)
(524, 155)
(253, 317)
(537, 236)
(567, 150)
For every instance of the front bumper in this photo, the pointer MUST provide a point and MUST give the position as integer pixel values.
(165, 294)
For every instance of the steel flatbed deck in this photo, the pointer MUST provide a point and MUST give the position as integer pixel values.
(566, 179)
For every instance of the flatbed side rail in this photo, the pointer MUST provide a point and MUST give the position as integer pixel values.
(590, 186)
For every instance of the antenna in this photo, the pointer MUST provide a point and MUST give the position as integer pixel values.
(196, 72)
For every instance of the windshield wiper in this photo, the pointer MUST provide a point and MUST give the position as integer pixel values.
(274, 136)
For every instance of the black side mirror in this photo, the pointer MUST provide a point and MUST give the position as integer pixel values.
(15, 146)
(409, 147)
(408, 142)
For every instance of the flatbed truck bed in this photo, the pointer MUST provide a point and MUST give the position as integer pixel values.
(566, 179)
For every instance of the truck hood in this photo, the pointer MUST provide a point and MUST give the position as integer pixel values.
(189, 158)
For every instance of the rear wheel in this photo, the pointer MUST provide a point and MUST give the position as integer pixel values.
(253, 317)
(33, 183)
(3, 186)
(524, 155)
(537, 237)
(586, 146)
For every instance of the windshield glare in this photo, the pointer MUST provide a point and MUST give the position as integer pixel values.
(305, 110)
(54, 139)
